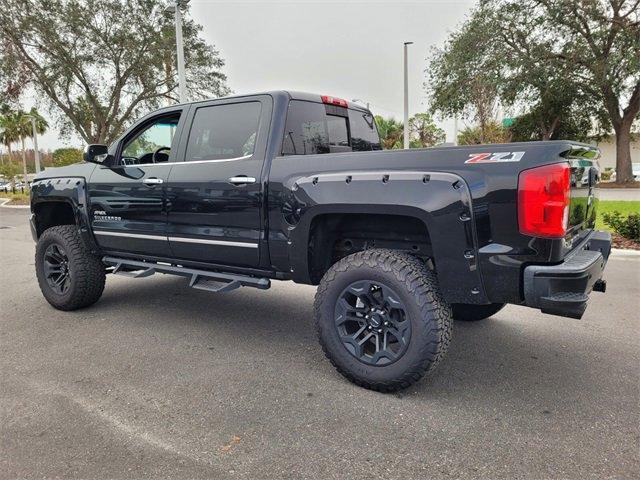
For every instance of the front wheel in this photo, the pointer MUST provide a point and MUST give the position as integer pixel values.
(69, 275)
(381, 319)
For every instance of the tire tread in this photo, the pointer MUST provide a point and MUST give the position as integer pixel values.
(422, 284)
(89, 281)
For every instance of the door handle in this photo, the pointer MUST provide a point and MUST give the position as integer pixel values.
(152, 181)
(241, 180)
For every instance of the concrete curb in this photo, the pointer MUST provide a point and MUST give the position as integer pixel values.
(4, 201)
(623, 252)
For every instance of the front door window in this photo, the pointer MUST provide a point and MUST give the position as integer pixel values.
(152, 144)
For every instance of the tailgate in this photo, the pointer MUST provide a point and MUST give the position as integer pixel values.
(585, 175)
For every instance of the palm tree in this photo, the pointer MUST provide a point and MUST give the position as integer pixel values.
(3, 130)
(391, 132)
(41, 125)
(8, 131)
(24, 130)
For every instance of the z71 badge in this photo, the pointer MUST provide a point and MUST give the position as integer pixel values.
(495, 157)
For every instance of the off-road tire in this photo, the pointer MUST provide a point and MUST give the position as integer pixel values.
(472, 313)
(86, 271)
(429, 314)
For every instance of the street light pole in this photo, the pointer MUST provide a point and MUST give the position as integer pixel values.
(34, 132)
(36, 152)
(455, 129)
(406, 96)
(182, 81)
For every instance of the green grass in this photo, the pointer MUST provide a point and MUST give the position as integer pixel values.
(609, 206)
(17, 198)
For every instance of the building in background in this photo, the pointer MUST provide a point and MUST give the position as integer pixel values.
(607, 146)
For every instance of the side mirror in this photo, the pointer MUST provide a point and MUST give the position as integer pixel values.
(95, 153)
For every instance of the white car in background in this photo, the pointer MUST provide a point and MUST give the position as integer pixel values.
(635, 169)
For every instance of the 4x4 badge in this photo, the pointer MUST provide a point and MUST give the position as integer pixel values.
(495, 157)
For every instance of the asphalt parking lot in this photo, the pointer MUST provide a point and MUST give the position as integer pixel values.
(159, 380)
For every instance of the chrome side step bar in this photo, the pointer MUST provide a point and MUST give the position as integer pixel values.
(199, 279)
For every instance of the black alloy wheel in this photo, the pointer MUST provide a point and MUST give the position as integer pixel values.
(381, 319)
(69, 275)
(372, 323)
(56, 268)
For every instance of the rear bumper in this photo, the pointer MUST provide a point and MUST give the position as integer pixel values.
(564, 289)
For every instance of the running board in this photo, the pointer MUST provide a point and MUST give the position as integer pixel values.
(199, 279)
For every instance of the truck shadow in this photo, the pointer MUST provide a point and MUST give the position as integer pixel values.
(511, 354)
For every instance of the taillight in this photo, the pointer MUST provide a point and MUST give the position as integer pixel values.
(544, 194)
(334, 101)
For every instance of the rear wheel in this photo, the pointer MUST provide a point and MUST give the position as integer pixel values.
(70, 277)
(472, 313)
(381, 319)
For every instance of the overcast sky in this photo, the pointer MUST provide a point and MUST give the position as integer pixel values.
(349, 49)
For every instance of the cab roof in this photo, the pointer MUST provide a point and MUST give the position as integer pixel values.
(285, 94)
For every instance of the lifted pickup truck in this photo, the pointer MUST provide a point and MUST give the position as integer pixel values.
(243, 190)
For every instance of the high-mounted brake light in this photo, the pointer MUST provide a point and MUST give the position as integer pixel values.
(544, 194)
(334, 101)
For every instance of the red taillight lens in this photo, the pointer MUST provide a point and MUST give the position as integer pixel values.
(543, 200)
(334, 101)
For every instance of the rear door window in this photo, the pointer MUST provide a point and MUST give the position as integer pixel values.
(364, 135)
(314, 128)
(338, 131)
(306, 129)
(225, 131)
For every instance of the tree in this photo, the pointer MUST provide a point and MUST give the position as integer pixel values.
(16, 126)
(27, 123)
(601, 41)
(8, 131)
(464, 76)
(23, 127)
(539, 124)
(565, 62)
(41, 123)
(546, 91)
(66, 156)
(102, 63)
(391, 132)
(421, 125)
(9, 171)
(428, 134)
(481, 66)
(491, 133)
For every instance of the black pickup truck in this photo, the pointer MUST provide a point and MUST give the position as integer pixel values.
(244, 190)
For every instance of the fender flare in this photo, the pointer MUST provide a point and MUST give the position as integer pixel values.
(441, 201)
(69, 190)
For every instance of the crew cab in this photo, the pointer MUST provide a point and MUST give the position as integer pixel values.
(245, 190)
